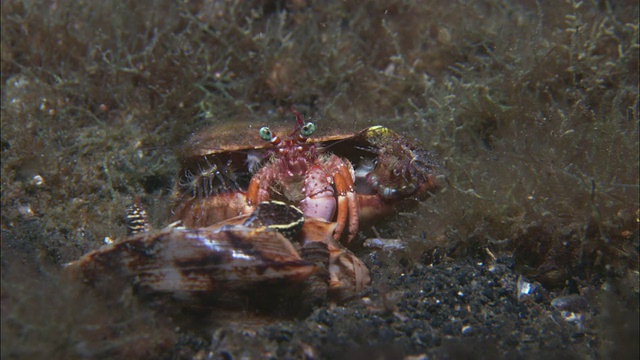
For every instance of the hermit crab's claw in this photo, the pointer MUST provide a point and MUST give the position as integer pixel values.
(320, 196)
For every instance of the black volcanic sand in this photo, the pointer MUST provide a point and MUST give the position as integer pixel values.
(433, 308)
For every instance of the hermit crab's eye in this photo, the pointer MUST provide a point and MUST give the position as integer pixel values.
(307, 129)
(265, 133)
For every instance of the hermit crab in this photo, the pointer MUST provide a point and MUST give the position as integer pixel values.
(273, 217)
(344, 178)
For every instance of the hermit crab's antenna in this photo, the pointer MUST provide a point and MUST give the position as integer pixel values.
(303, 129)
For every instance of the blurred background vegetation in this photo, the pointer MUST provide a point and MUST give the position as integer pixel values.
(531, 107)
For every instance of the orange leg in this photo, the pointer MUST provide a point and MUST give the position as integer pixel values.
(258, 190)
(347, 202)
(343, 204)
(354, 216)
(354, 210)
(252, 191)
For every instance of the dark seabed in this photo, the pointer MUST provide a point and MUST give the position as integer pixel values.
(530, 250)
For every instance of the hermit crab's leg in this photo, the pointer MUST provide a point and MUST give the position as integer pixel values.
(343, 204)
(342, 173)
(258, 190)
